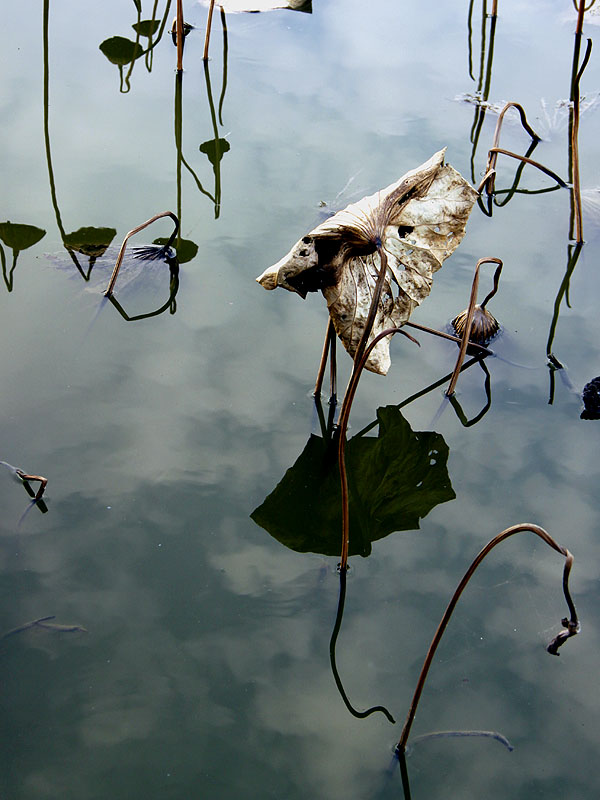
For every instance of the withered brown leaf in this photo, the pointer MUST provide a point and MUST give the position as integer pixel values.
(419, 221)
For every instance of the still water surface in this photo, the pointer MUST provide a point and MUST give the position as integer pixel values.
(205, 669)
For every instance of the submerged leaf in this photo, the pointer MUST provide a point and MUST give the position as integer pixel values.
(394, 481)
(418, 221)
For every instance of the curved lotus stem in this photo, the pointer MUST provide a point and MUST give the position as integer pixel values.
(571, 625)
(113, 277)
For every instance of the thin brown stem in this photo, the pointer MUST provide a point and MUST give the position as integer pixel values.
(323, 361)
(180, 35)
(115, 272)
(484, 350)
(572, 623)
(343, 428)
(488, 181)
(575, 142)
(208, 26)
(469, 321)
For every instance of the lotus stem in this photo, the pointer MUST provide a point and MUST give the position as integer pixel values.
(328, 347)
(180, 34)
(488, 180)
(575, 140)
(113, 277)
(483, 350)
(342, 430)
(469, 320)
(571, 625)
(208, 26)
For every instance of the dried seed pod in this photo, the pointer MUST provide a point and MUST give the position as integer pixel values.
(484, 326)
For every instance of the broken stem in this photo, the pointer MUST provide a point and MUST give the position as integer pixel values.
(43, 481)
(115, 272)
(572, 624)
(469, 320)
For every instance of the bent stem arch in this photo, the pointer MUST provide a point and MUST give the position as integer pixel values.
(113, 277)
(570, 624)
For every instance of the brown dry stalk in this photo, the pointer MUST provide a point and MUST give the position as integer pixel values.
(479, 347)
(469, 320)
(575, 141)
(115, 272)
(208, 26)
(571, 624)
(490, 170)
(342, 430)
(328, 348)
(489, 178)
(180, 34)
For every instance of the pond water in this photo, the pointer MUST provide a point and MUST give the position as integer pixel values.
(204, 667)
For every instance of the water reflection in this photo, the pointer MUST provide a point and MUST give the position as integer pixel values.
(17, 237)
(484, 79)
(90, 242)
(394, 481)
(123, 52)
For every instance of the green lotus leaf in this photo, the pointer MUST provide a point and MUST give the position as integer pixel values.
(394, 481)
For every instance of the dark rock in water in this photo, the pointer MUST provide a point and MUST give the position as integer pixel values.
(591, 400)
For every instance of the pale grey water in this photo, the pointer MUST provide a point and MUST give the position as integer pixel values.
(205, 669)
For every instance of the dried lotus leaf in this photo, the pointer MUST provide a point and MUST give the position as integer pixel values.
(419, 221)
